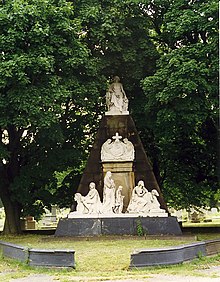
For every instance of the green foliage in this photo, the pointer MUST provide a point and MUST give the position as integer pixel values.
(140, 229)
(117, 33)
(182, 103)
(45, 74)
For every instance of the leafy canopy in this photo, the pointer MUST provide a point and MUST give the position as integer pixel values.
(43, 104)
(182, 101)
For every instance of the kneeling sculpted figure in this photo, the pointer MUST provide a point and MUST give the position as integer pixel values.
(89, 204)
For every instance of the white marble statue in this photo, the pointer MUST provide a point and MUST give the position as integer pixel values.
(106, 150)
(144, 202)
(140, 199)
(116, 100)
(80, 208)
(154, 207)
(155, 203)
(119, 200)
(108, 194)
(117, 150)
(129, 152)
(89, 204)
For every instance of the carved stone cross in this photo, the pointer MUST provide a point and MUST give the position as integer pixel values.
(117, 137)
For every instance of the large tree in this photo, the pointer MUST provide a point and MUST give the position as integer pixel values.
(182, 100)
(44, 70)
(117, 33)
(56, 58)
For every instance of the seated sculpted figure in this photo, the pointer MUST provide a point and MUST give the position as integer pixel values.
(89, 204)
(140, 199)
(108, 193)
(116, 99)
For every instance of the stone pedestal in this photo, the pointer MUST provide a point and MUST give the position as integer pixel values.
(122, 173)
(118, 225)
(116, 112)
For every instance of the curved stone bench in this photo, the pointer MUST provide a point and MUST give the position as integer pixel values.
(173, 255)
(39, 257)
(140, 258)
(14, 251)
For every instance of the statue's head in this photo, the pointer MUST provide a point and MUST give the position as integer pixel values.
(77, 197)
(92, 185)
(116, 78)
(141, 183)
(108, 173)
(154, 192)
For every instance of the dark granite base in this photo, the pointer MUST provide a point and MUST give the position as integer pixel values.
(118, 226)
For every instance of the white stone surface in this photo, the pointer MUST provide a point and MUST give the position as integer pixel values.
(115, 150)
(116, 100)
(145, 203)
(116, 215)
(140, 199)
(142, 203)
(108, 194)
(89, 204)
(119, 201)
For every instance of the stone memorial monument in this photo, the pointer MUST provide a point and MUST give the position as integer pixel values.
(118, 189)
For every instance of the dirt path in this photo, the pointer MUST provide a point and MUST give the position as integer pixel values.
(211, 274)
(153, 278)
(35, 278)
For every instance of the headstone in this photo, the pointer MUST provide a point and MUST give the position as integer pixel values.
(28, 223)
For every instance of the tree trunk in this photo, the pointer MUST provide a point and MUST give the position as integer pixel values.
(8, 172)
(12, 213)
(12, 216)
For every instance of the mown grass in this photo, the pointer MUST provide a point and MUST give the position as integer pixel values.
(103, 258)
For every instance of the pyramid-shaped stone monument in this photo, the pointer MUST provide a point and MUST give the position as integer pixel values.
(118, 190)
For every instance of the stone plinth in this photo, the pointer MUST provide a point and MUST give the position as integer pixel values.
(122, 173)
(117, 225)
(113, 113)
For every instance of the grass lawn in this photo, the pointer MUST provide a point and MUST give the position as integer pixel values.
(201, 224)
(104, 257)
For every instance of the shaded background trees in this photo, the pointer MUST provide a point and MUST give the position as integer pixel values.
(43, 72)
(56, 59)
(182, 102)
